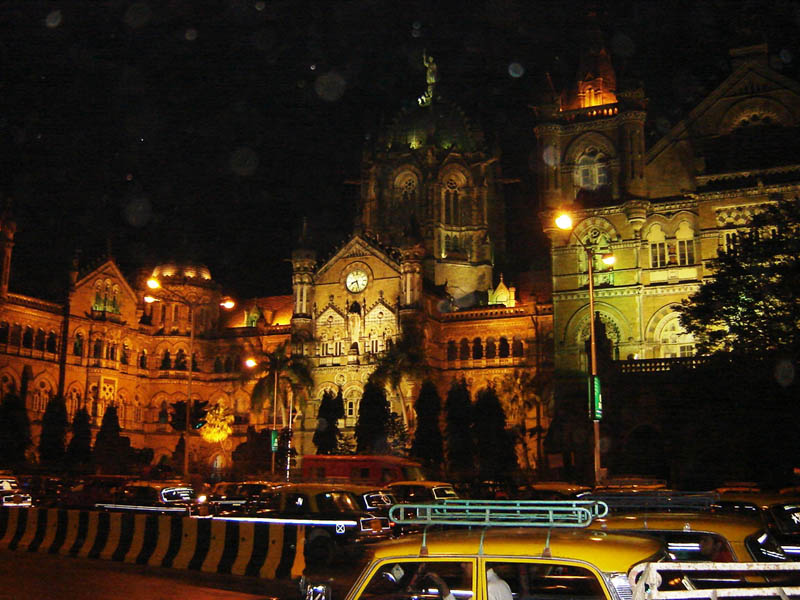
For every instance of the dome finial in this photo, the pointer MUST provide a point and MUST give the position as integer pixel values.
(431, 78)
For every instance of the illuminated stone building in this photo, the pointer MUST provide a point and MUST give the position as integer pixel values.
(431, 219)
(663, 209)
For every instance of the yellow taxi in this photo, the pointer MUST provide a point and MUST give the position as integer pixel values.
(502, 550)
(701, 535)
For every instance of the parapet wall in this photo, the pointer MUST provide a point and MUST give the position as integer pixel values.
(263, 550)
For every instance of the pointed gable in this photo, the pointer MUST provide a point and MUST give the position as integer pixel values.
(750, 121)
(104, 291)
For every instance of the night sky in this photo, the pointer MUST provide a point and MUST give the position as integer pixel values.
(172, 129)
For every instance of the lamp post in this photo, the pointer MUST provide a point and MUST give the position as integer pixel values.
(564, 222)
(191, 304)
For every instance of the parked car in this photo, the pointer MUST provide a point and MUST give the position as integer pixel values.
(241, 497)
(11, 495)
(334, 518)
(168, 498)
(422, 491)
(91, 490)
(44, 490)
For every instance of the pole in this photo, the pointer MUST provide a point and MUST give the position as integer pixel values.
(189, 391)
(593, 363)
(274, 414)
(289, 439)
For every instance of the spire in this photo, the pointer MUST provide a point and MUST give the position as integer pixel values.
(596, 79)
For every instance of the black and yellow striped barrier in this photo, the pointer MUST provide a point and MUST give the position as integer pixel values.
(266, 550)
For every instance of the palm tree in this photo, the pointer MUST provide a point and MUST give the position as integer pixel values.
(404, 359)
(275, 371)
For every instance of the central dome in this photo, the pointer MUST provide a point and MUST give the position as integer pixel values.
(441, 125)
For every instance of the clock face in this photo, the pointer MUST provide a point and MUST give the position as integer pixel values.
(356, 280)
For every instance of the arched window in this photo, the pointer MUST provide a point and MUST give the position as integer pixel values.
(16, 335)
(491, 348)
(143, 359)
(40, 338)
(218, 366)
(166, 361)
(237, 363)
(125, 356)
(228, 364)
(52, 342)
(180, 360)
(97, 351)
(452, 207)
(504, 349)
(658, 247)
(4, 333)
(77, 345)
(591, 170)
(516, 347)
(27, 338)
(685, 243)
(674, 340)
(477, 349)
(463, 350)
(452, 350)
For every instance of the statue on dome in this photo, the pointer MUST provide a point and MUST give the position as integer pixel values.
(431, 78)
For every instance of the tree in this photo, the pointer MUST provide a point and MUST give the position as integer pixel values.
(326, 435)
(497, 459)
(428, 445)
(521, 392)
(79, 450)
(460, 448)
(372, 426)
(111, 450)
(15, 431)
(277, 370)
(750, 303)
(253, 455)
(218, 426)
(53, 440)
(404, 359)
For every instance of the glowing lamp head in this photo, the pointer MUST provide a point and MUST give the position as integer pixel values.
(564, 221)
(608, 259)
(149, 299)
(153, 284)
(227, 303)
(250, 363)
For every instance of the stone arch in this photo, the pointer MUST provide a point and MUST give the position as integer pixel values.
(9, 382)
(758, 105)
(593, 227)
(577, 328)
(41, 391)
(589, 140)
(407, 187)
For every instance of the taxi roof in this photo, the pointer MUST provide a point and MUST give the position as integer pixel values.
(610, 552)
(734, 527)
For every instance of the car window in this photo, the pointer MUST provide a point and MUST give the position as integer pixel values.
(542, 581)
(416, 579)
(177, 494)
(695, 545)
(764, 548)
(336, 502)
(297, 504)
(444, 492)
(139, 494)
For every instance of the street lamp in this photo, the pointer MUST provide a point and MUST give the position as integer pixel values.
(191, 304)
(251, 363)
(564, 222)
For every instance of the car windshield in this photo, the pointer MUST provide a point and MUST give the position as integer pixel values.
(8, 484)
(413, 473)
(336, 502)
(786, 517)
(177, 494)
(444, 492)
(376, 499)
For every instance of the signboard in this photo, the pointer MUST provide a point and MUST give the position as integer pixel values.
(595, 398)
(273, 438)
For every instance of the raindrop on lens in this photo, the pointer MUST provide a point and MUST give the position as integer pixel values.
(516, 70)
(550, 156)
(137, 15)
(260, 6)
(191, 34)
(53, 19)
(138, 211)
(330, 86)
(784, 372)
(786, 55)
(244, 161)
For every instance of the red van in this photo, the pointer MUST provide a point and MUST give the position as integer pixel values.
(373, 470)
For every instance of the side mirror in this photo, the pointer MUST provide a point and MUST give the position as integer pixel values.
(313, 591)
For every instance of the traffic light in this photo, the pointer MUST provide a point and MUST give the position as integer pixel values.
(199, 413)
(273, 440)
